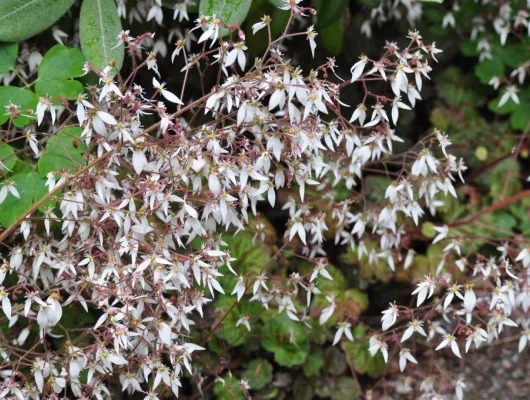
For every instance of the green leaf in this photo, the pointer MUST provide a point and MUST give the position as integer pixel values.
(345, 388)
(488, 69)
(57, 67)
(60, 62)
(329, 12)
(228, 11)
(313, 363)
(61, 153)
(332, 35)
(7, 156)
(20, 20)
(334, 361)
(360, 357)
(521, 116)
(276, 3)
(286, 339)
(99, 25)
(258, 373)
(8, 56)
(31, 188)
(25, 100)
(229, 390)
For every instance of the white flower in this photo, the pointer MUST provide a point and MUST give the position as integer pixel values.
(44, 104)
(404, 356)
(320, 269)
(328, 311)
(358, 68)
(243, 320)
(8, 187)
(414, 326)
(359, 113)
(239, 289)
(425, 289)
(166, 93)
(525, 337)
(451, 292)
(378, 67)
(425, 163)
(396, 105)
(443, 231)
(510, 93)
(376, 345)
(459, 389)
(238, 52)
(343, 329)
(389, 316)
(450, 340)
(311, 35)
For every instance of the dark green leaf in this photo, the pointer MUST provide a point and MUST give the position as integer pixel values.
(332, 35)
(228, 11)
(61, 153)
(488, 69)
(286, 339)
(345, 388)
(20, 19)
(8, 56)
(229, 390)
(99, 25)
(314, 362)
(25, 100)
(329, 12)
(521, 116)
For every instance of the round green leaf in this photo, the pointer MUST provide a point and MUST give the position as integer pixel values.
(58, 65)
(258, 373)
(99, 26)
(287, 340)
(8, 56)
(61, 62)
(228, 11)
(346, 388)
(61, 153)
(229, 390)
(488, 69)
(25, 100)
(20, 20)
(7, 156)
(31, 188)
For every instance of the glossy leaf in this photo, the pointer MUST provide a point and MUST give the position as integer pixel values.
(7, 157)
(99, 25)
(228, 11)
(20, 20)
(63, 152)
(25, 100)
(57, 67)
(8, 56)
(30, 187)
